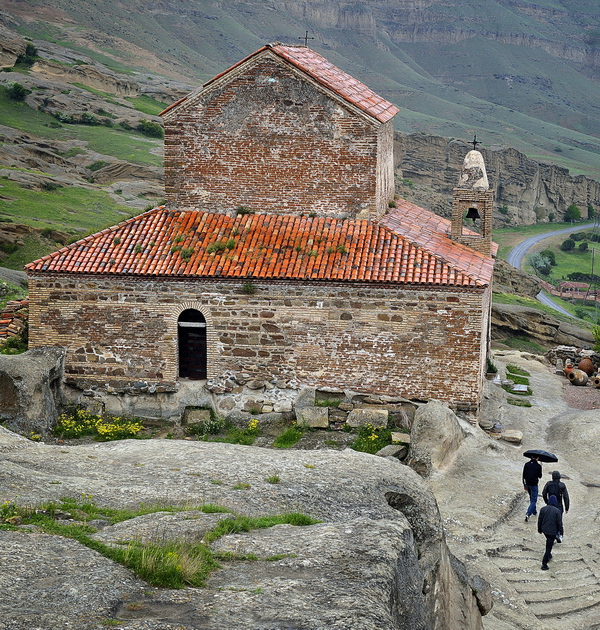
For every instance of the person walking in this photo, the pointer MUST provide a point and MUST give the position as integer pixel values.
(532, 473)
(557, 488)
(550, 524)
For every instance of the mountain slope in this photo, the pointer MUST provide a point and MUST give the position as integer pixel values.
(516, 72)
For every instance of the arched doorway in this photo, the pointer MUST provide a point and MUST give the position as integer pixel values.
(191, 333)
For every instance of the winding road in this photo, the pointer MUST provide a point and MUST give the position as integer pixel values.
(516, 255)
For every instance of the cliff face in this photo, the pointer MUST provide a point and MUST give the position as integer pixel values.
(531, 192)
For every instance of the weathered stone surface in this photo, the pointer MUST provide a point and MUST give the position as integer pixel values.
(512, 435)
(509, 320)
(393, 450)
(380, 529)
(374, 417)
(314, 417)
(196, 416)
(30, 389)
(399, 437)
(436, 436)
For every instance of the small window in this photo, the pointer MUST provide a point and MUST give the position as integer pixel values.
(191, 333)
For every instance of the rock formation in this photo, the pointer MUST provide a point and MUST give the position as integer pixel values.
(376, 560)
(528, 192)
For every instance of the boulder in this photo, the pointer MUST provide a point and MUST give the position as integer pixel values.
(364, 416)
(435, 437)
(376, 558)
(30, 389)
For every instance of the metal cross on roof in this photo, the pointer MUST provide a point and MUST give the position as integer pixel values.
(474, 142)
(306, 38)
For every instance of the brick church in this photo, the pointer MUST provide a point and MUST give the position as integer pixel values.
(280, 255)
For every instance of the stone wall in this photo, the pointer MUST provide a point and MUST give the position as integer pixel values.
(267, 138)
(418, 343)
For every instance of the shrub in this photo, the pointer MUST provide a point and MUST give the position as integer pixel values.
(14, 345)
(568, 245)
(503, 209)
(596, 335)
(77, 422)
(540, 264)
(17, 92)
(249, 288)
(243, 210)
(29, 57)
(150, 128)
(583, 246)
(51, 186)
(215, 248)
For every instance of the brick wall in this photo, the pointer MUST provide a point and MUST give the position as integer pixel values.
(268, 138)
(417, 343)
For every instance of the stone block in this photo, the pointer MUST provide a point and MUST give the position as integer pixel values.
(374, 417)
(196, 416)
(511, 435)
(314, 417)
(400, 438)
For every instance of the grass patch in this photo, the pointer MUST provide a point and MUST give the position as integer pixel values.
(288, 438)
(328, 402)
(371, 439)
(518, 380)
(68, 209)
(130, 146)
(515, 369)
(235, 435)
(169, 564)
(508, 388)
(518, 403)
(10, 292)
(146, 104)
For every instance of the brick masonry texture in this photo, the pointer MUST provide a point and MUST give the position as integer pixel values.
(271, 139)
(421, 343)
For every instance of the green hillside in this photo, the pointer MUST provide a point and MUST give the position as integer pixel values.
(519, 74)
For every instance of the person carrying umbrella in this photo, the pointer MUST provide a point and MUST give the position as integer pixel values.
(532, 473)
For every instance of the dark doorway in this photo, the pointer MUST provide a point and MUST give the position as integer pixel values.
(191, 329)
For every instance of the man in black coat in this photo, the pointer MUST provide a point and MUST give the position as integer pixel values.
(550, 524)
(532, 473)
(559, 490)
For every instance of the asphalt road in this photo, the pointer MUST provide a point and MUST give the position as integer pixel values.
(516, 255)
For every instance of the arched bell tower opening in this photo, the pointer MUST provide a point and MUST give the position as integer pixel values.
(191, 335)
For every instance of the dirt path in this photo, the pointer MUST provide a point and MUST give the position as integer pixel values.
(483, 505)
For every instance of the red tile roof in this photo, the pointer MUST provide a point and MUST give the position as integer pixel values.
(325, 73)
(192, 243)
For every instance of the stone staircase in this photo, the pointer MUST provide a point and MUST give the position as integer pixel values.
(567, 597)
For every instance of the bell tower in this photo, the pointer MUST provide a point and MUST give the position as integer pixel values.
(473, 201)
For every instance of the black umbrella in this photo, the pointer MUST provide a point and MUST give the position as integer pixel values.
(543, 456)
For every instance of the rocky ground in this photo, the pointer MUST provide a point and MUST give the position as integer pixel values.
(50, 582)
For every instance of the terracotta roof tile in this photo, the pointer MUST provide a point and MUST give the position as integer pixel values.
(192, 243)
(325, 73)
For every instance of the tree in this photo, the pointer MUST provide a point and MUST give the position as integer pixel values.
(568, 245)
(573, 213)
(591, 211)
(583, 246)
(150, 128)
(16, 91)
(540, 264)
(29, 57)
(549, 254)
